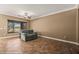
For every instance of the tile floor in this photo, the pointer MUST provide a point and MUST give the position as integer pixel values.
(37, 46)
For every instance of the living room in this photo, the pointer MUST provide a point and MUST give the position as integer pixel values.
(53, 28)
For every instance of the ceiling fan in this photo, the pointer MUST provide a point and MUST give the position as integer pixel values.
(27, 15)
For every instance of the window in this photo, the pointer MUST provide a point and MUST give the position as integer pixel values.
(15, 26)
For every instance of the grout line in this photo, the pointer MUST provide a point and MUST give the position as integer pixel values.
(60, 40)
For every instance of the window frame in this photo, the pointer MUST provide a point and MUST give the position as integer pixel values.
(14, 21)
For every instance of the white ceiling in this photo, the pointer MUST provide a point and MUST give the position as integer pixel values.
(35, 10)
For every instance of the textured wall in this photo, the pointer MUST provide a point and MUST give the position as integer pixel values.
(60, 25)
(78, 25)
(3, 24)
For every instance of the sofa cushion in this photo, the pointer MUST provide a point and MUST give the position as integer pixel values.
(30, 31)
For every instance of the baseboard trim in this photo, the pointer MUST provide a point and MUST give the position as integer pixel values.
(59, 40)
(8, 37)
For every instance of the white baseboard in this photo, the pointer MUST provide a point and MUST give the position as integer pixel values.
(60, 40)
(8, 37)
(47, 38)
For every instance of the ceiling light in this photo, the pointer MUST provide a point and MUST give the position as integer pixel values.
(26, 14)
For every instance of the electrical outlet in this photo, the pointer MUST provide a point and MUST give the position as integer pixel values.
(65, 37)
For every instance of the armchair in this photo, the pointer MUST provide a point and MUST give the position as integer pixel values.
(27, 35)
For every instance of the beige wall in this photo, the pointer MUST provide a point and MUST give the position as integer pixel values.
(78, 25)
(3, 24)
(61, 25)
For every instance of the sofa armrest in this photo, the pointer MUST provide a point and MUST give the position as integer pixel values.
(23, 36)
(35, 33)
